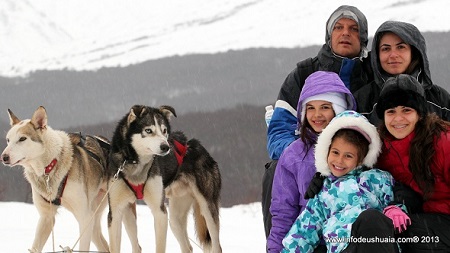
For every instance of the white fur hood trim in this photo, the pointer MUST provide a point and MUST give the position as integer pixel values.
(346, 119)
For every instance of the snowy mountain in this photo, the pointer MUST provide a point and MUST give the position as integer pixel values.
(88, 35)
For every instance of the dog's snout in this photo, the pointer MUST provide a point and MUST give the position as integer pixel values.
(5, 158)
(164, 147)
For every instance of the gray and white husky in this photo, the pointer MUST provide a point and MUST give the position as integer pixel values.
(61, 171)
(149, 162)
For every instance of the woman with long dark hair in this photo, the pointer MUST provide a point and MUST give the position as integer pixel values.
(416, 152)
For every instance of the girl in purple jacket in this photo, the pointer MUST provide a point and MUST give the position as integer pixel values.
(323, 96)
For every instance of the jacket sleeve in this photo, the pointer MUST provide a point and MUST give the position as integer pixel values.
(384, 188)
(284, 206)
(443, 156)
(305, 233)
(438, 100)
(366, 98)
(281, 130)
(445, 100)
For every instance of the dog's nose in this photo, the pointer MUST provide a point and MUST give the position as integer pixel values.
(5, 158)
(164, 148)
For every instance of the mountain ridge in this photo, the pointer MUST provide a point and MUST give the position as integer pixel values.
(191, 83)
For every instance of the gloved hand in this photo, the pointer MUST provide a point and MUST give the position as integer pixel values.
(399, 218)
(314, 186)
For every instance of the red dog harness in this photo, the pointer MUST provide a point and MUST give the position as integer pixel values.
(62, 186)
(48, 169)
(180, 152)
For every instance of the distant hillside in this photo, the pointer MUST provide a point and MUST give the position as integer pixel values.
(189, 83)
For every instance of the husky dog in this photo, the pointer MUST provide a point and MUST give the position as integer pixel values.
(61, 171)
(151, 163)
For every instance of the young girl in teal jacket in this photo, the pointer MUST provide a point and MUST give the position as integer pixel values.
(345, 152)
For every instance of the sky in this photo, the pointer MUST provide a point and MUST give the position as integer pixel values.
(88, 35)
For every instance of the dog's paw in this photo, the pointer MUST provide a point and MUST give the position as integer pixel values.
(66, 249)
(33, 250)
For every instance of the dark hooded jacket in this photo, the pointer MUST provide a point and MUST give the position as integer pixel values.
(438, 99)
(355, 73)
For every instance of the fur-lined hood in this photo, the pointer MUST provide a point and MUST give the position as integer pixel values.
(346, 120)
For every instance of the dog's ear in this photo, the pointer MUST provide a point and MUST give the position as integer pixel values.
(135, 111)
(12, 118)
(167, 111)
(139, 110)
(131, 116)
(39, 119)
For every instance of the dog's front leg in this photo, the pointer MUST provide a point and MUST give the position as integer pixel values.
(43, 229)
(130, 222)
(160, 220)
(121, 207)
(154, 198)
(47, 213)
(115, 229)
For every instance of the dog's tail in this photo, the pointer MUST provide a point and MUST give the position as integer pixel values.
(201, 228)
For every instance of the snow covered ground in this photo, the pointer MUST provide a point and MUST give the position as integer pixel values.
(241, 230)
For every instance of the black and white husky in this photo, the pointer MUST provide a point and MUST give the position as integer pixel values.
(149, 162)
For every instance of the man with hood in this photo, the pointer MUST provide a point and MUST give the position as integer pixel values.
(345, 53)
(400, 48)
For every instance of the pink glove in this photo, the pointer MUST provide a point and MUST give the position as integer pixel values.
(398, 217)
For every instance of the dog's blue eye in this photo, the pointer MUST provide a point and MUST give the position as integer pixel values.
(149, 131)
(22, 138)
